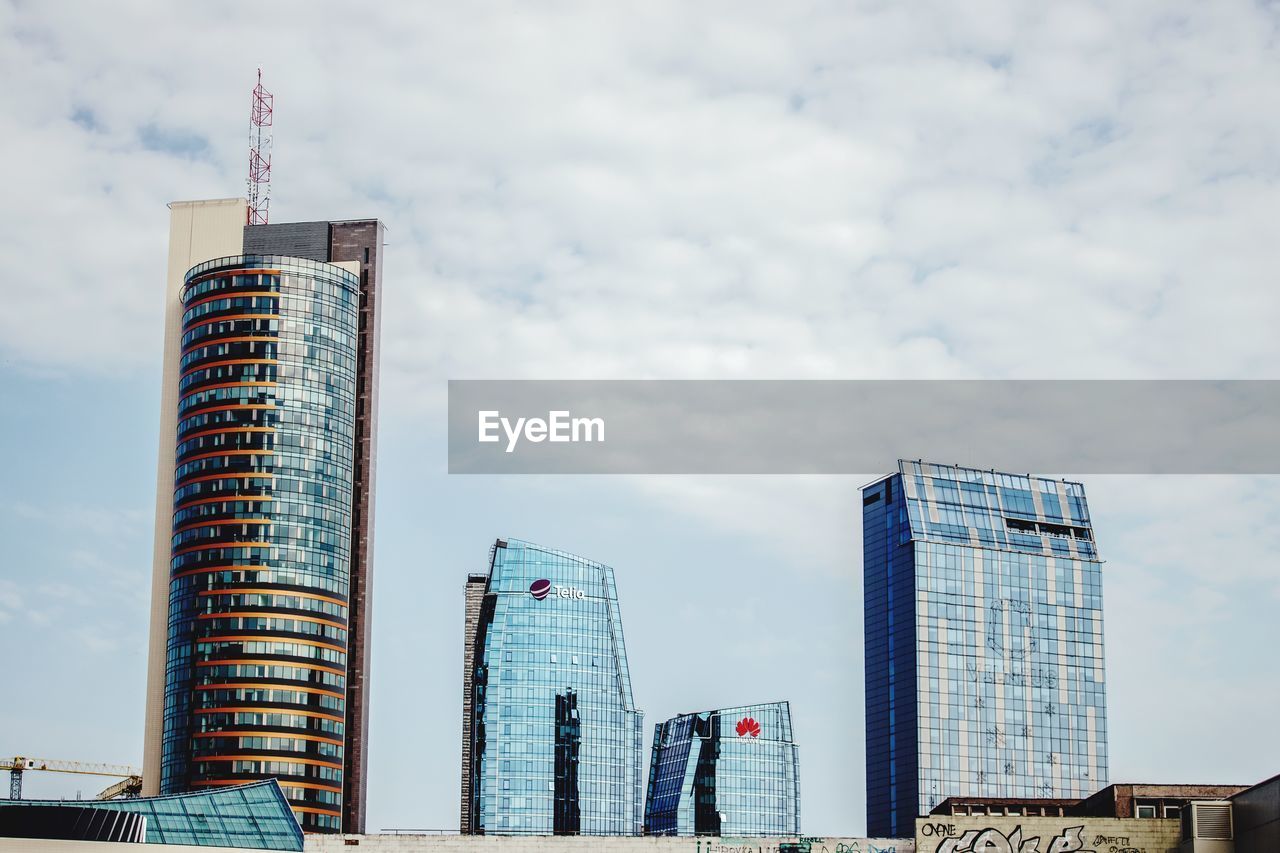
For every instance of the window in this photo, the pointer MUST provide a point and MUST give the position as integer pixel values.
(1020, 525)
(1174, 812)
(1146, 811)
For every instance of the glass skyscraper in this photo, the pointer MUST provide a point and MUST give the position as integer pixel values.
(728, 772)
(259, 641)
(260, 569)
(554, 737)
(984, 664)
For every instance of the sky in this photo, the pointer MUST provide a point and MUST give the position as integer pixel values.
(661, 190)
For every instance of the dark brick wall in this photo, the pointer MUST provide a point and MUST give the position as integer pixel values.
(361, 240)
(1119, 800)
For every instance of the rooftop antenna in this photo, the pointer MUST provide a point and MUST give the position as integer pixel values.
(259, 183)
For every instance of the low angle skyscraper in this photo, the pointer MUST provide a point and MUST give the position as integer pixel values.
(984, 658)
(728, 772)
(264, 511)
(553, 742)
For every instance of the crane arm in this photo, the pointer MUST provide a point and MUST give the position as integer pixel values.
(130, 787)
(21, 763)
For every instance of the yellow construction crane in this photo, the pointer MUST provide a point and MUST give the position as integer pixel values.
(129, 786)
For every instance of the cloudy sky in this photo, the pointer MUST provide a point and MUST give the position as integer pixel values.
(656, 190)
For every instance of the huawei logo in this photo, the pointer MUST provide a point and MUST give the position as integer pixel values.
(539, 589)
(748, 727)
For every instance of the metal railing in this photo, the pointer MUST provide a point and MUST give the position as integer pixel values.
(419, 832)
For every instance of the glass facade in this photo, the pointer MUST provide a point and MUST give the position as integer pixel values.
(254, 816)
(732, 772)
(984, 652)
(255, 682)
(555, 739)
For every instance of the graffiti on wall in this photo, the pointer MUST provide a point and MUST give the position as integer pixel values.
(801, 845)
(992, 840)
(1115, 844)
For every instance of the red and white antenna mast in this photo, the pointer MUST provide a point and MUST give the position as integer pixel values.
(259, 183)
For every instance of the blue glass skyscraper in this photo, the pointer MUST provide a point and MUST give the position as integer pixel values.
(728, 772)
(984, 664)
(553, 745)
(262, 566)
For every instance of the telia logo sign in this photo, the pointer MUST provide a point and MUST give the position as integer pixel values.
(748, 727)
(542, 587)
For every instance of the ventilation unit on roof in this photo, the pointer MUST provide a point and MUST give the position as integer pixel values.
(1206, 828)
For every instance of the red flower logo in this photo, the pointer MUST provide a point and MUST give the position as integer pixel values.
(747, 726)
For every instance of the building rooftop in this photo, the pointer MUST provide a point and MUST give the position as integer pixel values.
(255, 816)
(1115, 800)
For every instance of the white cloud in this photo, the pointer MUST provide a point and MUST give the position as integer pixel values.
(808, 523)
(684, 191)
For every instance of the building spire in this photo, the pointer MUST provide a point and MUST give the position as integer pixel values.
(259, 183)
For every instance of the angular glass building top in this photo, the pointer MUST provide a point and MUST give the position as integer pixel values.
(984, 651)
(987, 509)
(254, 816)
(555, 737)
(731, 772)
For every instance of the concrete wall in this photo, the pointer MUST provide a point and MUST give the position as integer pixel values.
(497, 844)
(977, 834)
(198, 231)
(388, 843)
(43, 845)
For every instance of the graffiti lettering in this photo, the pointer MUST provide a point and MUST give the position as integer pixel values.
(803, 844)
(709, 847)
(938, 829)
(815, 844)
(991, 840)
(1115, 844)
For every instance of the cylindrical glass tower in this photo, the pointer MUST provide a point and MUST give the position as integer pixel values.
(257, 645)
